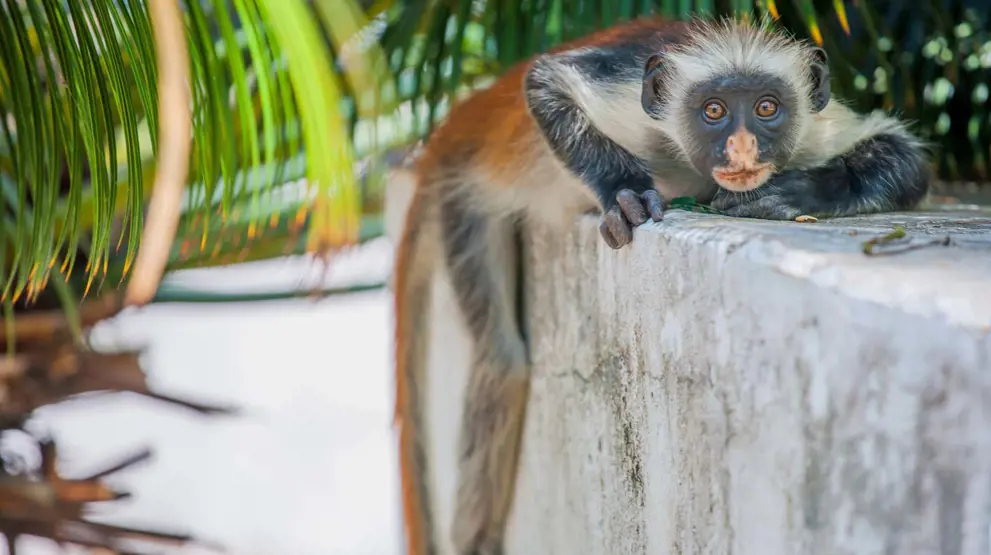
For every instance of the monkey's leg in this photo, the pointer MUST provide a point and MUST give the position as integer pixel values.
(620, 180)
(481, 260)
(881, 174)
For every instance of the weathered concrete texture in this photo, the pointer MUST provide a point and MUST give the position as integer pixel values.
(750, 387)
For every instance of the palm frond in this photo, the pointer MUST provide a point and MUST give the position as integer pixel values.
(173, 152)
(80, 126)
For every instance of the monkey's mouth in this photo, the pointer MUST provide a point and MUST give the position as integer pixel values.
(742, 180)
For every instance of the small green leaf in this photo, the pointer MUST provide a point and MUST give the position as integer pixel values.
(691, 205)
(898, 233)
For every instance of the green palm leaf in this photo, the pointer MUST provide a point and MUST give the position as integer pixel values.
(79, 115)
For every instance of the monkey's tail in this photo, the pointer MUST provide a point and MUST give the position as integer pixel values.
(415, 263)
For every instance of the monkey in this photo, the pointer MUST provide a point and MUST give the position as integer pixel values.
(737, 114)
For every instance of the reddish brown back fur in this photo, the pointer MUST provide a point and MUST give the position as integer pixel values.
(493, 123)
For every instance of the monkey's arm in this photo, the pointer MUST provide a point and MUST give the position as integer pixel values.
(620, 180)
(883, 173)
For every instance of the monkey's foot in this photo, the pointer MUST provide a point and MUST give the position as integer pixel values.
(773, 206)
(631, 209)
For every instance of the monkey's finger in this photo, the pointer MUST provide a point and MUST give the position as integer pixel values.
(770, 207)
(619, 226)
(632, 206)
(615, 229)
(606, 236)
(655, 204)
(725, 200)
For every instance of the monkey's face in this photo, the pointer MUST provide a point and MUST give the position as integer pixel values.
(738, 124)
(739, 128)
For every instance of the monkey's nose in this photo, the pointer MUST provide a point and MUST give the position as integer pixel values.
(742, 144)
(741, 149)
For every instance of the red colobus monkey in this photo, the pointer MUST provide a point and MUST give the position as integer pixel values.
(734, 114)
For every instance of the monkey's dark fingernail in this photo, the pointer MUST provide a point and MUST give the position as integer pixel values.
(610, 240)
(621, 231)
(607, 235)
(655, 204)
(632, 206)
(617, 227)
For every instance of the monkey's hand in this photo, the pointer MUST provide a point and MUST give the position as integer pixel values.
(785, 199)
(630, 210)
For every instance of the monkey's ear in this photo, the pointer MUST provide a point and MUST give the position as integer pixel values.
(820, 79)
(819, 56)
(650, 95)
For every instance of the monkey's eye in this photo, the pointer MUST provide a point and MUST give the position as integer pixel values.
(714, 111)
(766, 108)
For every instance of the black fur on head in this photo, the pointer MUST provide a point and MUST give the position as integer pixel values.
(650, 96)
(819, 69)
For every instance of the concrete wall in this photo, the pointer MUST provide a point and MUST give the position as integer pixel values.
(730, 386)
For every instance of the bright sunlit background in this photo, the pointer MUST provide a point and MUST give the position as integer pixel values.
(308, 468)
